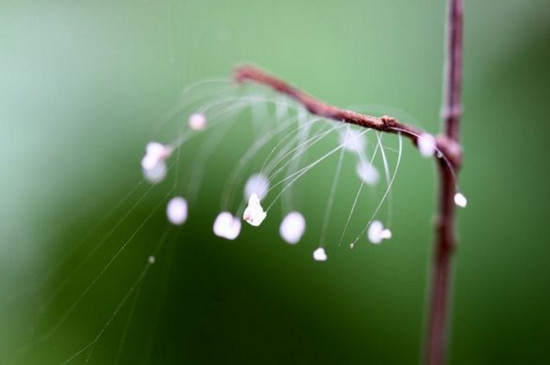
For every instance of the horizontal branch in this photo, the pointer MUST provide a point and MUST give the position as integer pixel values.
(384, 124)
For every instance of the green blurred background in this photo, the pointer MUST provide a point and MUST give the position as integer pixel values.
(82, 84)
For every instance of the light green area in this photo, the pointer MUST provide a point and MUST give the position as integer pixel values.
(82, 87)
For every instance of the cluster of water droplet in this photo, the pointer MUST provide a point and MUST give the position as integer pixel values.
(293, 225)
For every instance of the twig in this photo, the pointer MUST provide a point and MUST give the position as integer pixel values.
(384, 123)
(436, 340)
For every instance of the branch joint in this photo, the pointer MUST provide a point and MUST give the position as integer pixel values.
(451, 149)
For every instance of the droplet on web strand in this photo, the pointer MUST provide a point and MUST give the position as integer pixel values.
(460, 200)
(197, 121)
(426, 144)
(227, 226)
(292, 227)
(257, 183)
(254, 214)
(177, 210)
(320, 254)
(377, 233)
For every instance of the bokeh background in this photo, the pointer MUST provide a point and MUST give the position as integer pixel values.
(82, 85)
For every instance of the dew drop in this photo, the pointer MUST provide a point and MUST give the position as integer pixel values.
(352, 140)
(254, 214)
(227, 226)
(197, 121)
(426, 144)
(257, 183)
(460, 200)
(177, 210)
(320, 254)
(367, 172)
(377, 233)
(292, 227)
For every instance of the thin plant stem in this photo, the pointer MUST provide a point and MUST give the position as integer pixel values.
(439, 306)
(446, 146)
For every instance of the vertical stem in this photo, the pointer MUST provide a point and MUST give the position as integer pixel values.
(452, 108)
(437, 331)
(436, 341)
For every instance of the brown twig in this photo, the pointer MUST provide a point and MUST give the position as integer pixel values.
(384, 123)
(436, 340)
(448, 164)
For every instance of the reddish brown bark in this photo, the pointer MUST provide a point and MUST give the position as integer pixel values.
(445, 242)
(448, 148)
